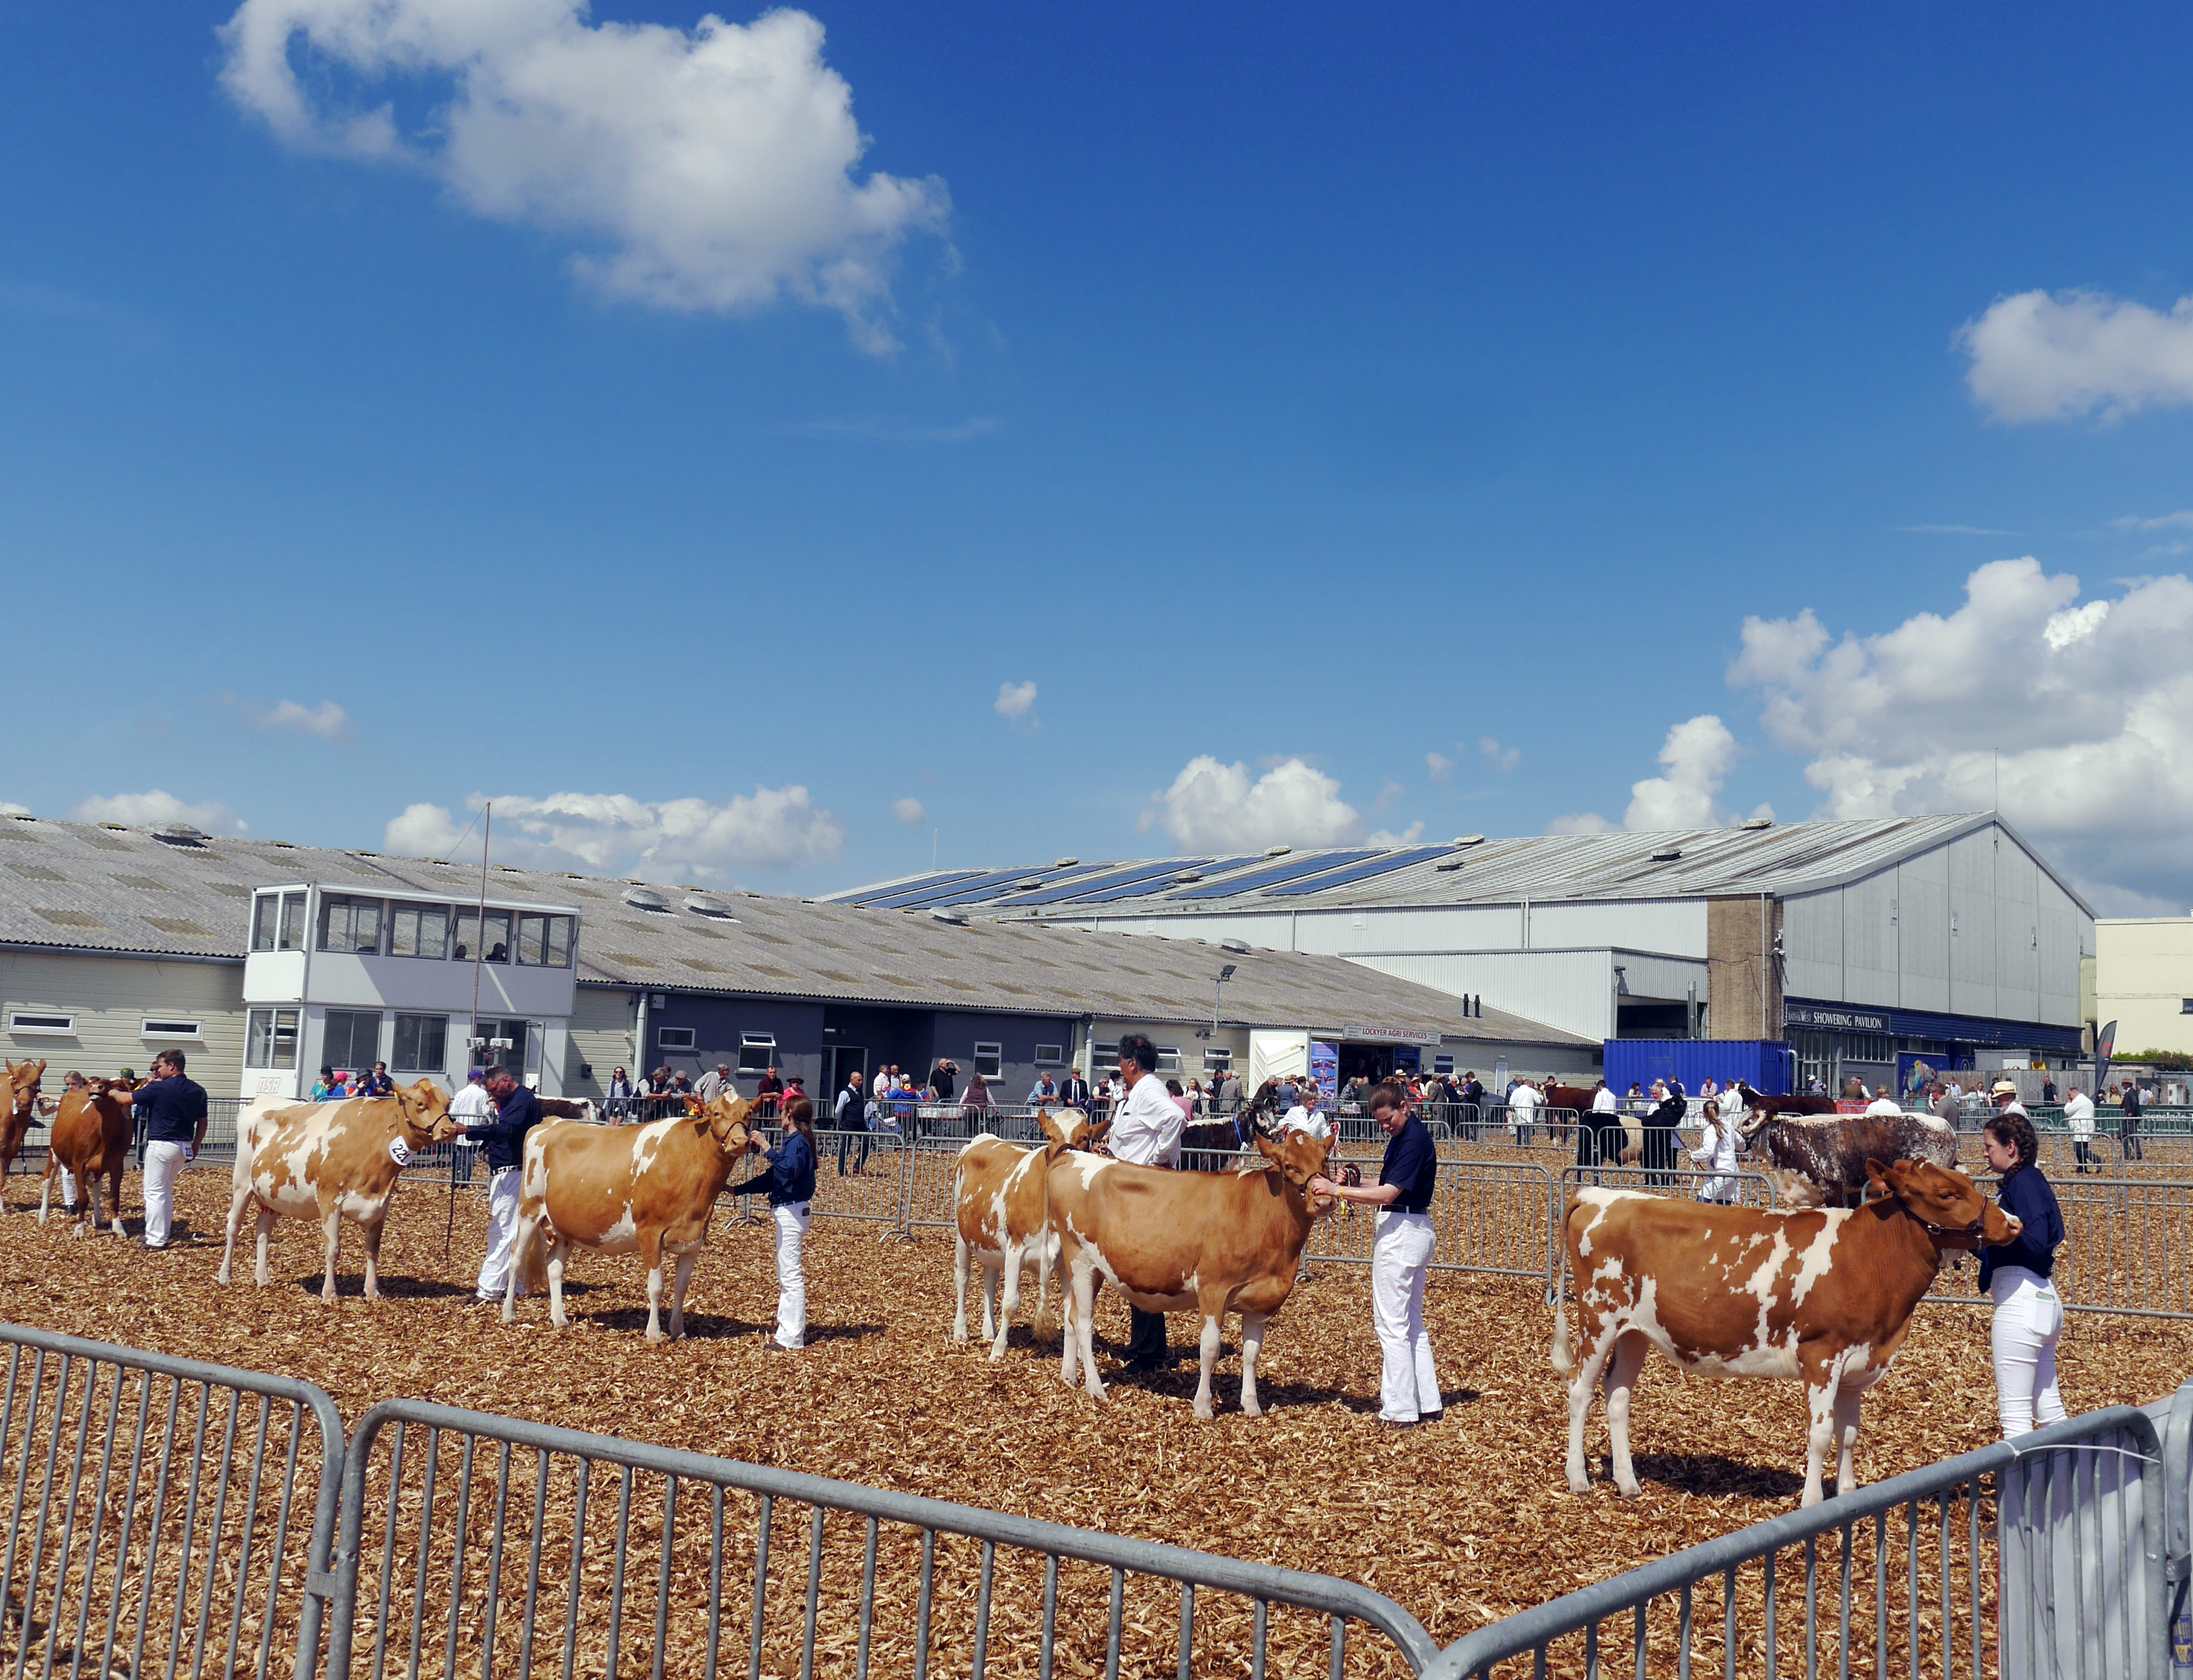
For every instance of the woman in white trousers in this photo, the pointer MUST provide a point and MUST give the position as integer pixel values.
(2028, 1315)
(789, 1180)
(1409, 1385)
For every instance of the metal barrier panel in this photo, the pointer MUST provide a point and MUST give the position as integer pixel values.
(489, 1546)
(164, 1516)
(1487, 1217)
(2127, 1248)
(1896, 1578)
(929, 1185)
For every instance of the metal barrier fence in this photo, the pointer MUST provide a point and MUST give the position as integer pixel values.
(481, 1544)
(487, 1545)
(1487, 1217)
(160, 1508)
(2081, 1534)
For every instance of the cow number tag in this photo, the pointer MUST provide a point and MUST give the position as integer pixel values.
(399, 1151)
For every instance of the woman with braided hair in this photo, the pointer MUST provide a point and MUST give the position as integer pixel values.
(2028, 1315)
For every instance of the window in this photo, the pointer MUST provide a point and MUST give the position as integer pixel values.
(544, 941)
(278, 922)
(1442, 1064)
(422, 1044)
(348, 924)
(1050, 1056)
(25, 1024)
(989, 1061)
(157, 1027)
(353, 1039)
(673, 1038)
(2185, 1005)
(271, 1039)
(1168, 1059)
(757, 1052)
(419, 931)
(497, 941)
(1218, 1059)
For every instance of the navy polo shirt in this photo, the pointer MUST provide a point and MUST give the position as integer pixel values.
(1412, 1162)
(171, 1110)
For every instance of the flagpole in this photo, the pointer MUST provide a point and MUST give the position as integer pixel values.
(479, 942)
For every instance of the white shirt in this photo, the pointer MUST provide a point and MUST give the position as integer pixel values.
(471, 1105)
(1146, 1126)
(1602, 1101)
(1311, 1121)
(1525, 1097)
(2079, 1114)
(1884, 1105)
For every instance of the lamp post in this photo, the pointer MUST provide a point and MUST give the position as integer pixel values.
(1217, 991)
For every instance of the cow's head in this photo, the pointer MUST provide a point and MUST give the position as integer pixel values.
(23, 1079)
(120, 1092)
(1071, 1129)
(1758, 1111)
(1954, 1211)
(1300, 1158)
(728, 1119)
(425, 1112)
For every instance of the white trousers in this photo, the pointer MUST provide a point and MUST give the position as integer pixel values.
(502, 1232)
(1408, 1387)
(2029, 1318)
(791, 1281)
(163, 1163)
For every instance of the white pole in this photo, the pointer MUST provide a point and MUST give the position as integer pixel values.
(479, 924)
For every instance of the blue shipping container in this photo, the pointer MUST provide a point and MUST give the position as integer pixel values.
(1764, 1064)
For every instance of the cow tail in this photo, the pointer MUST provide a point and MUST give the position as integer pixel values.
(531, 1258)
(1561, 1360)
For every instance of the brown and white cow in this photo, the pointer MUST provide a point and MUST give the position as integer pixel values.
(1824, 1296)
(331, 1161)
(1207, 1242)
(646, 1189)
(18, 1113)
(1813, 1160)
(91, 1138)
(1000, 1191)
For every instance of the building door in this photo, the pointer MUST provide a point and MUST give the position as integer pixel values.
(838, 1061)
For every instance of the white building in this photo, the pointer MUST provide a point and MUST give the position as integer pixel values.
(2144, 982)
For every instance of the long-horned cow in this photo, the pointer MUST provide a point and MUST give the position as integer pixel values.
(646, 1189)
(331, 1161)
(1207, 1242)
(1816, 1159)
(18, 1113)
(1824, 1296)
(90, 1139)
(1001, 1196)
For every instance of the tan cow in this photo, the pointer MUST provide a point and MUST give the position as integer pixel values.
(18, 1099)
(91, 1137)
(332, 1162)
(1003, 1208)
(647, 1190)
(1207, 1242)
(1823, 1295)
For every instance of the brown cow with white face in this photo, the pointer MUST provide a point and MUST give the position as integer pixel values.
(1003, 1207)
(19, 1112)
(1207, 1242)
(1824, 1296)
(332, 1162)
(91, 1138)
(624, 1189)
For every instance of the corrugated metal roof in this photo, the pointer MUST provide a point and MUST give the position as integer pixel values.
(77, 886)
(1781, 860)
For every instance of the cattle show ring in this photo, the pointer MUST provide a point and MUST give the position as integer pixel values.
(271, 1464)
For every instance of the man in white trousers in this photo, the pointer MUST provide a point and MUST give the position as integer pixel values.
(517, 1111)
(172, 1109)
(1408, 1387)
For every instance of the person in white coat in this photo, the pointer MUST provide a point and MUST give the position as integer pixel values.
(1522, 1108)
(2079, 1122)
(1718, 1146)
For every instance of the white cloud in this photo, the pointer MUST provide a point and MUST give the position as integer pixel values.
(10, 808)
(709, 170)
(327, 719)
(776, 828)
(1215, 807)
(1585, 823)
(143, 811)
(1697, 755)
(1500, 757)
(1408, 836)
(2039, 356)
(909, 812)
(2089, 706)
(1439, 767)
(1015, 700)
(2180, 521)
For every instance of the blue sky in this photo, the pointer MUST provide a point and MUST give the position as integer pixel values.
(1345, 423)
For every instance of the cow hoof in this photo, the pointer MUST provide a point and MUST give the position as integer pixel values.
(1204, 1413)
(1632, 1491)
(1249, 1408)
